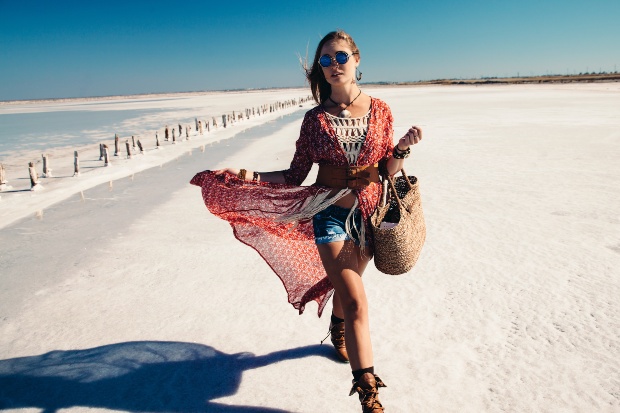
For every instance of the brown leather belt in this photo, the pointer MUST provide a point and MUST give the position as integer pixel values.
(352, 177)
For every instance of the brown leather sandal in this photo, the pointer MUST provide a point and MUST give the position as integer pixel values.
(337, 337)
(368, 389)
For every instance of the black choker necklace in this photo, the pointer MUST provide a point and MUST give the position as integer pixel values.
(344, 113)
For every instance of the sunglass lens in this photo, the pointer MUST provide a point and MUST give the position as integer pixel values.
(325, 60)
(342, 57)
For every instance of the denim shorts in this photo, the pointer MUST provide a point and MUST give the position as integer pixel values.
(329, 225)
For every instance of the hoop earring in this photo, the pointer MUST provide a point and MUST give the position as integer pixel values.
(358, 74)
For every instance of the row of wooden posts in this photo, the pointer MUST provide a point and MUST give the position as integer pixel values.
(227, 119)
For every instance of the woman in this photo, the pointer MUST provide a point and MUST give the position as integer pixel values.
(349, 134)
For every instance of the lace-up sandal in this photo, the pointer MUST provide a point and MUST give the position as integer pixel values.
(337, 337)
(368, 389)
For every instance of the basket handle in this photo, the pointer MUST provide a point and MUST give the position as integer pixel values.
(402, 170)
(394, 193)
(390, 180)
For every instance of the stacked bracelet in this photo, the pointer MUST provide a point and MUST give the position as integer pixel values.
(255, 176)
(398, 154)
(241, 174)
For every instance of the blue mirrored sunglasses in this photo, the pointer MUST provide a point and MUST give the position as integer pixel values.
(340, 58)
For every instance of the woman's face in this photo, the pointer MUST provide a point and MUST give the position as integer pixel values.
(339, 74)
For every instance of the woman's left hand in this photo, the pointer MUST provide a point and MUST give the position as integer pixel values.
(413, 136)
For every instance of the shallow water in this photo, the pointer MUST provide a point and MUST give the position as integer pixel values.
(24, 131)
(34, 251)
(42, 126)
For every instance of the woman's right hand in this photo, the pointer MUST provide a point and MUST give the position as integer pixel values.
(276, 177)
(229, 170)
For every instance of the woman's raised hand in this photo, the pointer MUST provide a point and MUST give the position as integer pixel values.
(413, 136)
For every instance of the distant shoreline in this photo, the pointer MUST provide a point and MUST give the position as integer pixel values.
(140, 95)
(580, 78)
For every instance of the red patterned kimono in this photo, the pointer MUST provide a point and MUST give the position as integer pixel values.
(254, 210)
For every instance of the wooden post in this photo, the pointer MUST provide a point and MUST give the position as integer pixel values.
(224, 120)
(105, 156)
(133, 141)
(47, 172)
(115, 144)
(157, 144)
(128, 149)
(174, 138)
(140, 146)
(3, 181)
(101, 151)
(34, 178)
(2, 175)
(76, 164)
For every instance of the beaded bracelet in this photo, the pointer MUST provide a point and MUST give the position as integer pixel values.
(398, 154)
(241, 174)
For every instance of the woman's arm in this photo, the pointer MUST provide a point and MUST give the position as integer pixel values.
(276, 177)
(300, 165)
(297, 171)
(413, 136)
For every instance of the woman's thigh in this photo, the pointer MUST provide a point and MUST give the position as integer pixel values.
(344, 264)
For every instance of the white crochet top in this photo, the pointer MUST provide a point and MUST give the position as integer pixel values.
(351, 133)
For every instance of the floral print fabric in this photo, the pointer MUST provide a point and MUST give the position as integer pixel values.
(253, 209)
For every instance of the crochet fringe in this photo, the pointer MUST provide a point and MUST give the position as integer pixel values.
(350, 225)
(321, 201)
(313, 206)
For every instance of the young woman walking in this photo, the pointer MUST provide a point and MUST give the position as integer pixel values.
(317, 238)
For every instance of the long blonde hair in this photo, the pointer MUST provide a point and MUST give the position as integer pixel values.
(319, 86)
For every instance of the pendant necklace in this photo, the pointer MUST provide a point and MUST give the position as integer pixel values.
(344, 113)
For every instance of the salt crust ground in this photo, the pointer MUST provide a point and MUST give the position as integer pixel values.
(512, 307)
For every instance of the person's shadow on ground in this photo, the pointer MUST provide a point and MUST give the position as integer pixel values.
(136, 376)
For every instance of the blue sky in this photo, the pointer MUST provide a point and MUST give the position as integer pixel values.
(92, 48)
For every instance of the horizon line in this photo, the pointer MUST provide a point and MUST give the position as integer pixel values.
(549, 78)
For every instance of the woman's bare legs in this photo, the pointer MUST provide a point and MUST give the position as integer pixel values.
(344, 265)
(337, 306)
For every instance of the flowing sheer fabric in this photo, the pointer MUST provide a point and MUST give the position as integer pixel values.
(253, 211)
(257, 211)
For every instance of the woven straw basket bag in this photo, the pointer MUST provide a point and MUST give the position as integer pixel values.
(398, 225)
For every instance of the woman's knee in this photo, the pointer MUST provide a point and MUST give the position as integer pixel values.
(354, 307)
